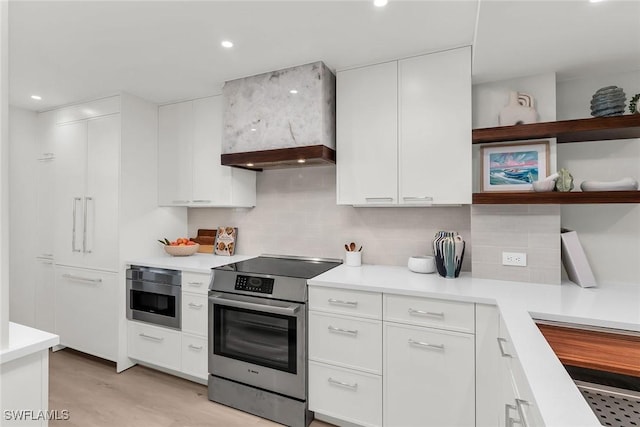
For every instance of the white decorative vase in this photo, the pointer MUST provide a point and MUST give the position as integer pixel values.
(519, 111)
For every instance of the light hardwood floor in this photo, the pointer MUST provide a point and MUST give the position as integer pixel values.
(96, 396)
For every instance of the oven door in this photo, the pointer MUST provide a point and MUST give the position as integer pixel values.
(259, 342)
(155, 303)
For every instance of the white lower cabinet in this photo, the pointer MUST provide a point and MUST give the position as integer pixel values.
(194, 356)
(156, 345)
(185, 350)
(345, 394)
(86, 315)
(428, 376)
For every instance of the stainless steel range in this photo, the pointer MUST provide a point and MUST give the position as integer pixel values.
(258, 336)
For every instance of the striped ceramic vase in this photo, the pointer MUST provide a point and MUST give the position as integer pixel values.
(448, 251)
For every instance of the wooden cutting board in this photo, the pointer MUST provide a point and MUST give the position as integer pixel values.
(206, 238)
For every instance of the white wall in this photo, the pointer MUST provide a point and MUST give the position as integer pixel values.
(296, 214)
(23, 236)
(610, 234)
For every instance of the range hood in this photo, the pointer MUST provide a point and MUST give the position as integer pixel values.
(280, 119)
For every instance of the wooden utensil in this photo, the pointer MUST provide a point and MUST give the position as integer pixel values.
(352, 247)
(346, 247)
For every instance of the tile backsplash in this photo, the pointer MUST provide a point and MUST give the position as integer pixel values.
(296, 214)
(532, 229)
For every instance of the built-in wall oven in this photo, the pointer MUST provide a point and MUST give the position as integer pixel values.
(153, 296)
(258, 336)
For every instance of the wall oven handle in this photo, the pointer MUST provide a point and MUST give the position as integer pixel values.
(287, 311)
(340, 302)
(343, 384)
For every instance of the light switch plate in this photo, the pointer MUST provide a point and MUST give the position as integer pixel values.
(518, 259)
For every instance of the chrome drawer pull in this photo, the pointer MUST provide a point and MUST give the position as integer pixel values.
(501, 342)
(180, 202)
(340, 302)
(195, 306)
(425, 313)
(201, 201)
(195, 283)
(343, 331)
(149, 337)
(82, 279)
(523, 417)
(427, 345)
(424, 198)
(353, 386)
(195, 347)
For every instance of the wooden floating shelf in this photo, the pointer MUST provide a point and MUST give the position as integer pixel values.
(555, 198)
(594, 129)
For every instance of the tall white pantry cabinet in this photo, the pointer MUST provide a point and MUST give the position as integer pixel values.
(96, 209)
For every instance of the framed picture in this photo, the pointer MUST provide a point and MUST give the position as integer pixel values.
(513, 167)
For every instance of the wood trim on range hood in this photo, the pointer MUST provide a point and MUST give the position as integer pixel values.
(281, 158)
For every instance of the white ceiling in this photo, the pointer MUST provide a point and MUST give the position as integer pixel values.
(170, 50)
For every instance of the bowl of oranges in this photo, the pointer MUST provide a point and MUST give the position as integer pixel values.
(180, 247)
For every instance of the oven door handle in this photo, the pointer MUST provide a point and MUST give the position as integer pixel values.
(289, 310)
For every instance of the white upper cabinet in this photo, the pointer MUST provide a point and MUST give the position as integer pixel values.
(190, 173)
(367, 135)
(435, 128)
(404, 132)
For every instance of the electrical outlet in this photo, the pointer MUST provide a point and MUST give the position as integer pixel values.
(518, 259)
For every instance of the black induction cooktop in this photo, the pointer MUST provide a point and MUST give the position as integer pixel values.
(285, 266)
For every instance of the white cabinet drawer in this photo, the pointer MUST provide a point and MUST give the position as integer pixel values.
(151, 344)
(344, 301)
(351, 396)
(194, 314)
(194, 356)
(195, 282)
(346, 341)
(451, 315)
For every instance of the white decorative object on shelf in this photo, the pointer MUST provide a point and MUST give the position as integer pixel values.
(422, 264)
(624, 184)
(547, 184)
(520, 110)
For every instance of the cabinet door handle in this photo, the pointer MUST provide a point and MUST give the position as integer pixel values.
(180, 202)
(195, 347)
(379, 199)
(340, 302)
(508, 421)
(86, 217)
(46, 156)
(418, 199)
(353, 386)
(47, 262)
(195, 306)
(520, 403)
(81, 279)
(501, 342)
(201, 201)
(46, 255)
(195, 283)
(152, 338)
(426, 345)
(343, 331)
(75, 220)
(414, 312)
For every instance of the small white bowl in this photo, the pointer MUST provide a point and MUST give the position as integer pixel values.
(422, 264)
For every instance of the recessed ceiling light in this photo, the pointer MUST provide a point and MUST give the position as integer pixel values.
(293, 91)
(226, 43)
(253, 129)
(36, 97)
(301, 160)
(249, 165)
(380, 3)
(595, 1)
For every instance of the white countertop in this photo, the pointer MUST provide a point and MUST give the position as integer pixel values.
(24, 341)
(559, 401)
(197, 263)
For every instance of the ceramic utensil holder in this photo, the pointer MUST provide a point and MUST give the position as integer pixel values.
(353, 258)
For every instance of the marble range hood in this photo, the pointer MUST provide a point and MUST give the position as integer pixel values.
(283, 118)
